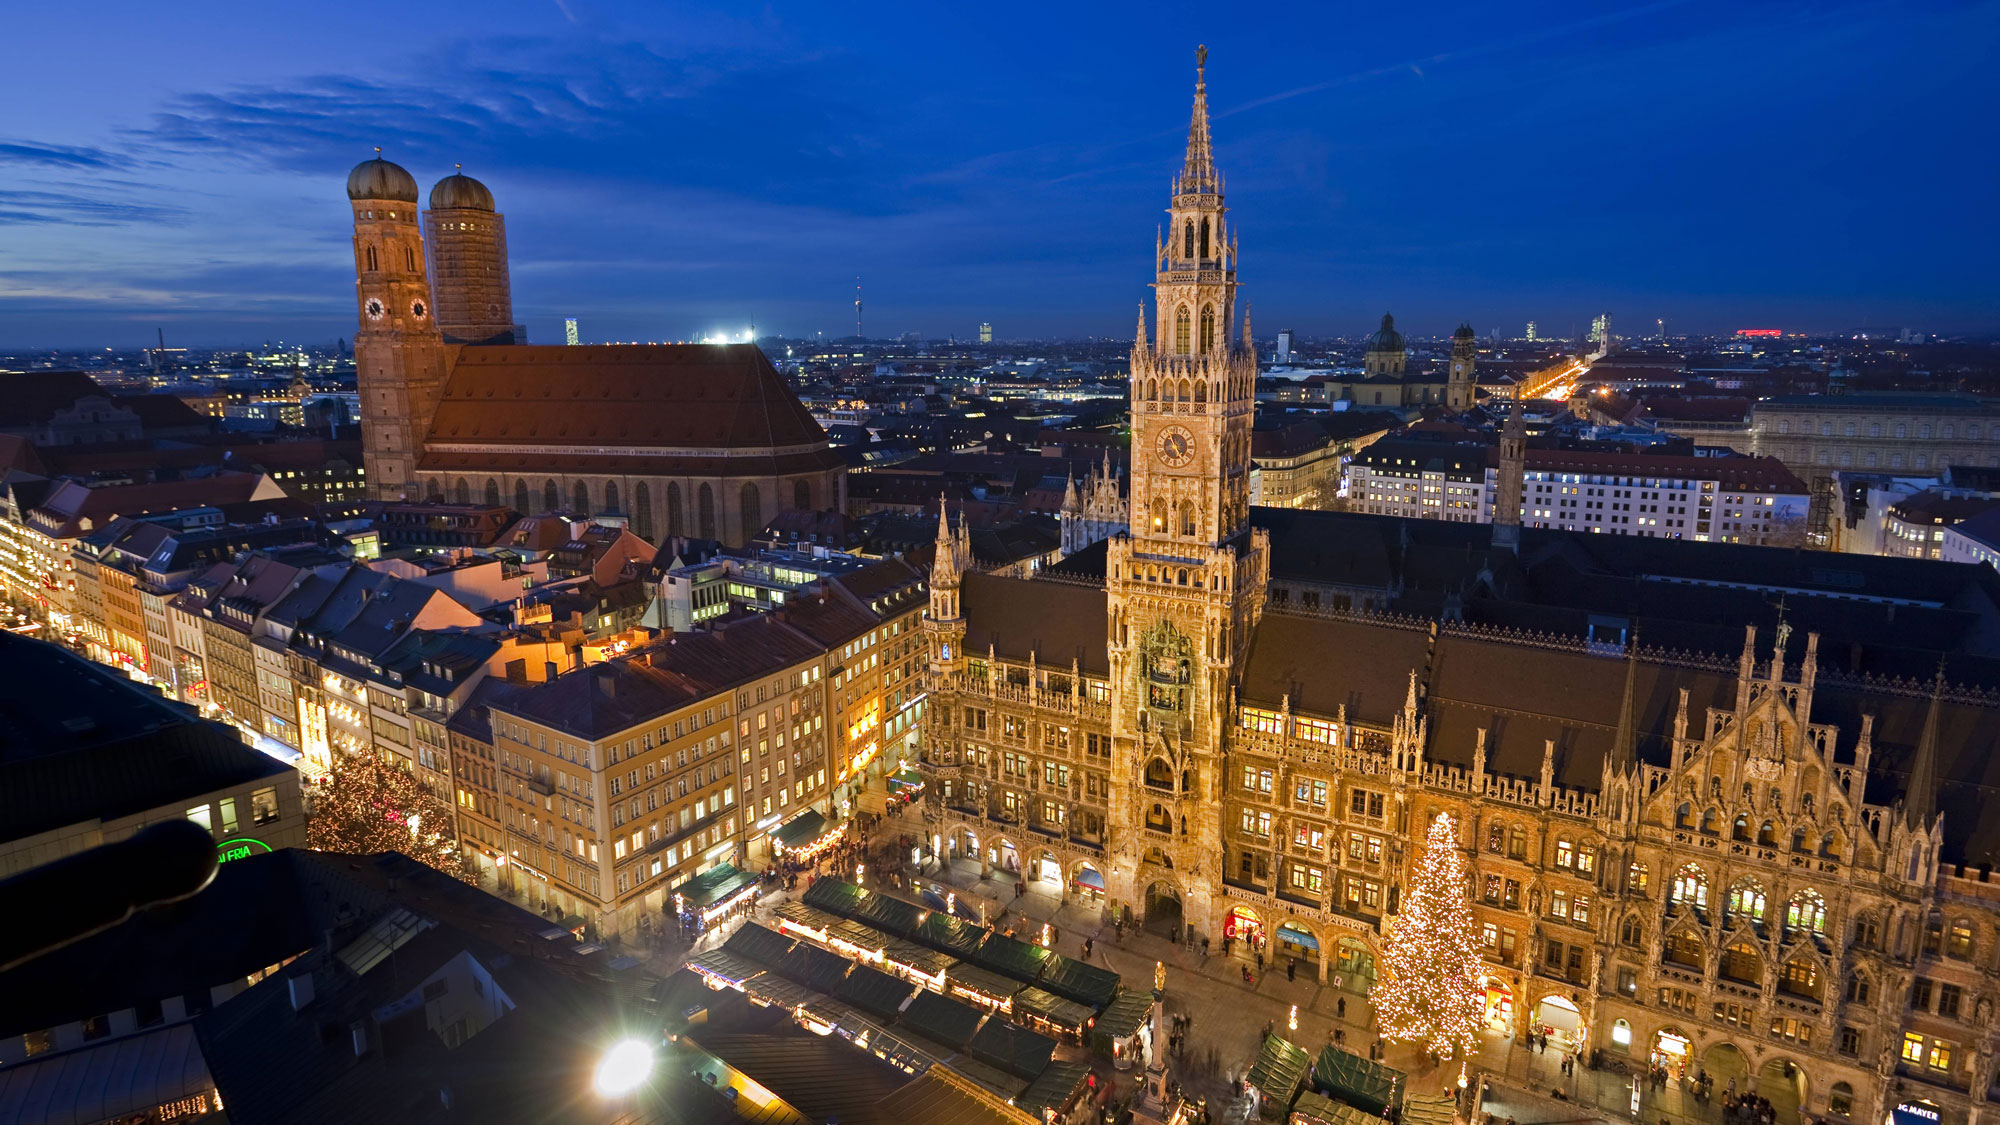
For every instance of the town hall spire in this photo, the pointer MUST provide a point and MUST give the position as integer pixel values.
(1198, 174)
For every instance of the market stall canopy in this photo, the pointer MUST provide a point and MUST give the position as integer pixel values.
(715, 884)
(1317, 1109)
(810, 917)
(949, 1022)
(1280, 1070)
(909, 954)
(1014, 1049)
(1429, 1109)
(730, 968)
(1359, 1082)
(776, 991)
(1018, 959)
(801, 830)
(814, 967)
(1053, 1008)
(906, 779)
(996, 986)
(888, 914)
(1055, 1088)
(837, 896)
(1078, 981)
(766, 946)
(875, 991)
(1123, 1018)
(951, 935)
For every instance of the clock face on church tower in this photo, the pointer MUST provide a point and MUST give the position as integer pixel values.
(374, 308)
(1176, 446)
(417, 310)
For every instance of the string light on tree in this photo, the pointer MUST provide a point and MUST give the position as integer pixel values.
(1429, 991)
(366, 806)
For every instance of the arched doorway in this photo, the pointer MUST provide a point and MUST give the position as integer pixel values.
(1670, 1051)
(1046, 869)
(1243, 932)
(1354, 967)
(1727, 1070)
(1558, 1018)
(1297, 943)
(1782, 1082)
(1005, 856)
(1088, 882)
(1621, 1036)
(1499, 1005)
(1163, 908)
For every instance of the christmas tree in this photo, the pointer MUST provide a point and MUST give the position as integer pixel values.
(367, 806)
(1429, 991)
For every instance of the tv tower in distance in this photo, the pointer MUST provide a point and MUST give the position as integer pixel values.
(857, 308)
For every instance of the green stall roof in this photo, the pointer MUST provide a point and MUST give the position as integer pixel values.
(875, 991)
(837, 896)
(949, 1022)
(1014, 1049)
(985, 981)
(888, 913)
(1078, 981)
(1055, 1088)
(1123, 1018)
(814, 967)
(1350, 1078)
(715, 884)
(801, 829)
(1280, 1070)
(759, 943)
(1018, 959)
(950, 935)
(1049, 1006)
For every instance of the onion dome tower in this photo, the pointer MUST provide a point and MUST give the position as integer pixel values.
(468, 245)
(399, 356)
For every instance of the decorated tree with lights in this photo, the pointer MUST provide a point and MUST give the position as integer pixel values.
(366, 806)
(1429, 991)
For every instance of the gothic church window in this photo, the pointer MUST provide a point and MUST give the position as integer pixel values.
(1187, 239)
(802, 496)
(1207, 328)
(409, 259)
(676, 523)
(1182, 327)
(1204, 238)
(610, 496)
(753, 511)
(492, 493)
(461, 492)
(371, 259)
(551, 496)
(1187, 517)
(705, 512)
(521, 503)
(580, 498)
(642, 511)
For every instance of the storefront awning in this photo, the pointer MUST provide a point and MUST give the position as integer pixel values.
(1280, 1070)
(801, 830)
(1297, 936)
(1088, 877)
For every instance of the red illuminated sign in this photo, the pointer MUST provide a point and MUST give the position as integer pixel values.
(1760, 332)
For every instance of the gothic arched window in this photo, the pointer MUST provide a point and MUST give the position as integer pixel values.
(580, 498)
(434, 491)
(1204, 238)
(551, 496)
(1201, 390)
(753, 511)
(1152, 390)
(492, 493)
(611, 496)
(521, 502)
(802, 497)
(1182, 333)
(642, 511)
(1187, 517)
(409, 259)
(371, 259)
(676, 521)
(1187, 240)
(461, 492)
(1187, 391)
(1207, 328)
(705, 511)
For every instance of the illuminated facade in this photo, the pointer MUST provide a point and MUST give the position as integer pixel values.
(1698, 864)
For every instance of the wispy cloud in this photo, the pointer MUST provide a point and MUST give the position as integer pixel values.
(59, 156)
(19, 206)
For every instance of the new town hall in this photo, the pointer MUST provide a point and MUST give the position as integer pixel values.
(1743, 856)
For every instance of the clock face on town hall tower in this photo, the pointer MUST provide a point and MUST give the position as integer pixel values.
(1176, 446)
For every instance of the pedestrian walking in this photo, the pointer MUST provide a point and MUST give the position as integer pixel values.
(1340, 1007)
(1292, 969)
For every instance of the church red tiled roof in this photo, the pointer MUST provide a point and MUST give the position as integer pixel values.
(638, 408)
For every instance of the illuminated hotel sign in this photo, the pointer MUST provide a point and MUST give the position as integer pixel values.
(1761, 332)
(240, 848)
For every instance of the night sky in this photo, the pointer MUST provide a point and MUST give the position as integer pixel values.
(674, 170)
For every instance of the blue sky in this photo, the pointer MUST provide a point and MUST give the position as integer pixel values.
(671, 169)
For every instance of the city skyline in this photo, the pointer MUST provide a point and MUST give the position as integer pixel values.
(666, 181)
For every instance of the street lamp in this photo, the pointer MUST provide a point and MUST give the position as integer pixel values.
(624, 1068)
(1293, 1023)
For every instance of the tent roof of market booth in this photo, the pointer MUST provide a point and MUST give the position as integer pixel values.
(1280, 1069)
(1355, 1080)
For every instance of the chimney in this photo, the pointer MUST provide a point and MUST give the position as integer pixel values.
(301, 988)
(607, 683)
(549, 669)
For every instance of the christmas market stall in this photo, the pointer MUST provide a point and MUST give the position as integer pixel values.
(1051, 1014)
(1277, 1076)
(1014, 1049)
(918, 964)
(806, 836)
(1018, 959)
(887, 913)
(712, 897)
(1347, 1077)
(1056, 1091)
(944, 1021)
(1120, 1031)
(875, 992)
(1075, 980)
(813, 967)
(981, 986)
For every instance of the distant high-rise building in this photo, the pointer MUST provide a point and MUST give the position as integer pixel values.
(1531, 332)
(569, 331)
(985, 333)
(1284, 345)
(467, 240)
(1661, 325)
(1600, 330)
